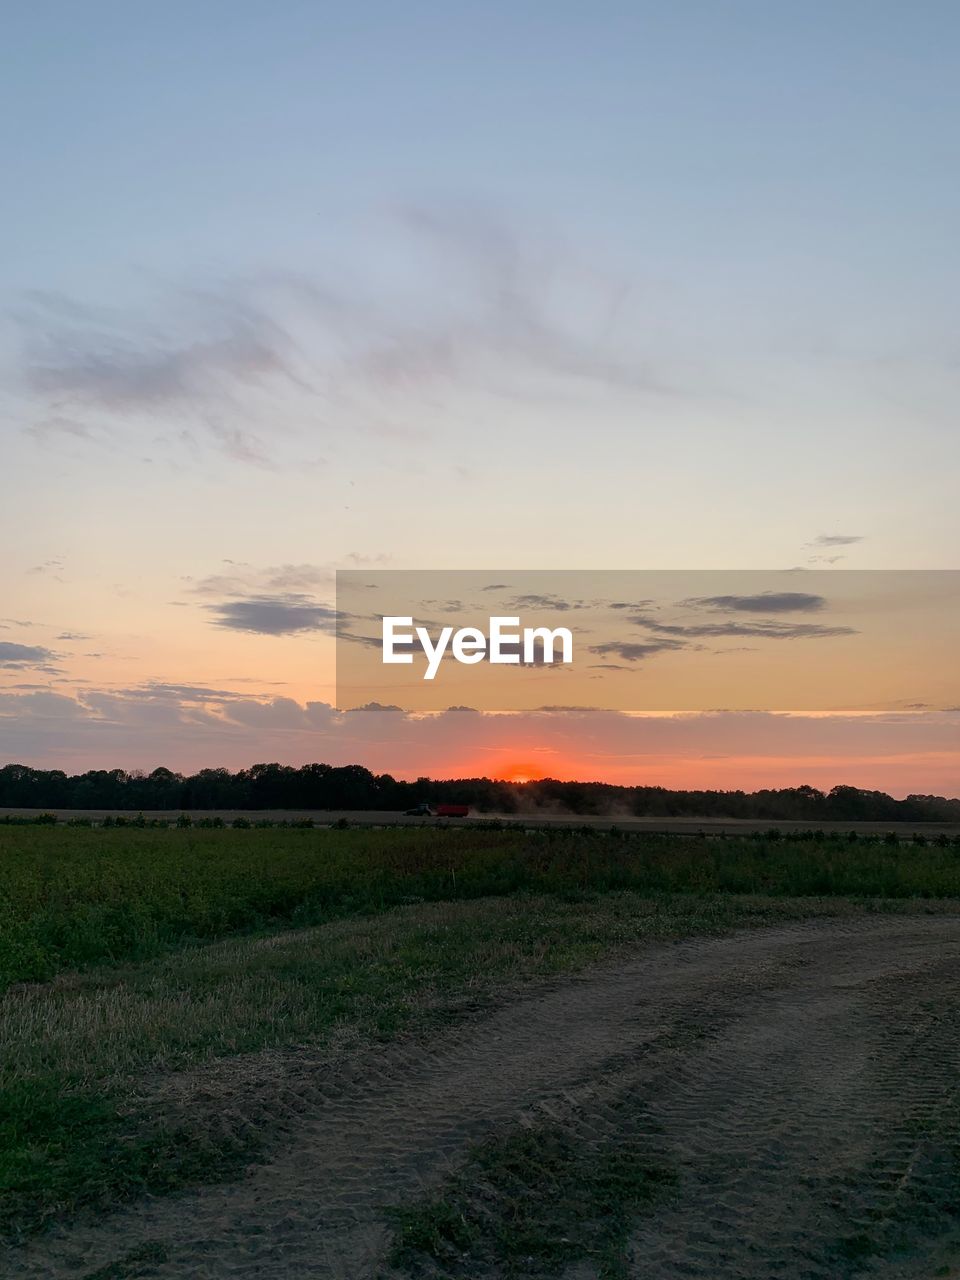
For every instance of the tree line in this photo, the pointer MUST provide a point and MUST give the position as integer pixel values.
(324, 786)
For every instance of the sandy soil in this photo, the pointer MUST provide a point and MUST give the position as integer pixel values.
(799, 1076)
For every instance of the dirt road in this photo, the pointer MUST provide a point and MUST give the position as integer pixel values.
(803, 1081)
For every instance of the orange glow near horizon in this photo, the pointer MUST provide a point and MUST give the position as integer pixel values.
(929, 772)
(518, 772)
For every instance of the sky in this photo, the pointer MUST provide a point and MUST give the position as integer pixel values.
(296, 287)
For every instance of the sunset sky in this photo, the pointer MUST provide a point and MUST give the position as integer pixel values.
(296, 287)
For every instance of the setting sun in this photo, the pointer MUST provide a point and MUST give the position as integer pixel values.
(519, 773)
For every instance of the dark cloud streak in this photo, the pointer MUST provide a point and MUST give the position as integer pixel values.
(21, 657)
(763, 602)
(275, 615)
(761, 629)
(636, 651)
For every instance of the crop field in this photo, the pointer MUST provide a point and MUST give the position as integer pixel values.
(465, 1052)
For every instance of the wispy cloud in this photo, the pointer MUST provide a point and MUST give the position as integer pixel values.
(51, 568)
(547, 602)
(189, 359)
(48, 430)
(826, 542)
(187, 694)
(213, 362)
(120, 375)
(245, 580)
(510, 324)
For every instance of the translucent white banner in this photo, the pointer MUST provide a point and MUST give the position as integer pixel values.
(649, 641)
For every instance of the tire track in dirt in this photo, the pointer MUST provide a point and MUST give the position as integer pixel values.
(791, 1070)
(801, 1138)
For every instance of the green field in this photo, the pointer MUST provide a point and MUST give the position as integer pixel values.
(75, 897)
(134, 961)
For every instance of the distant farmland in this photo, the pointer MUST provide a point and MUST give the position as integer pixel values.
(900, 828)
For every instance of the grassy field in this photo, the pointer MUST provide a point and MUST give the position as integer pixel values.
(72, 898)
(136, 963)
